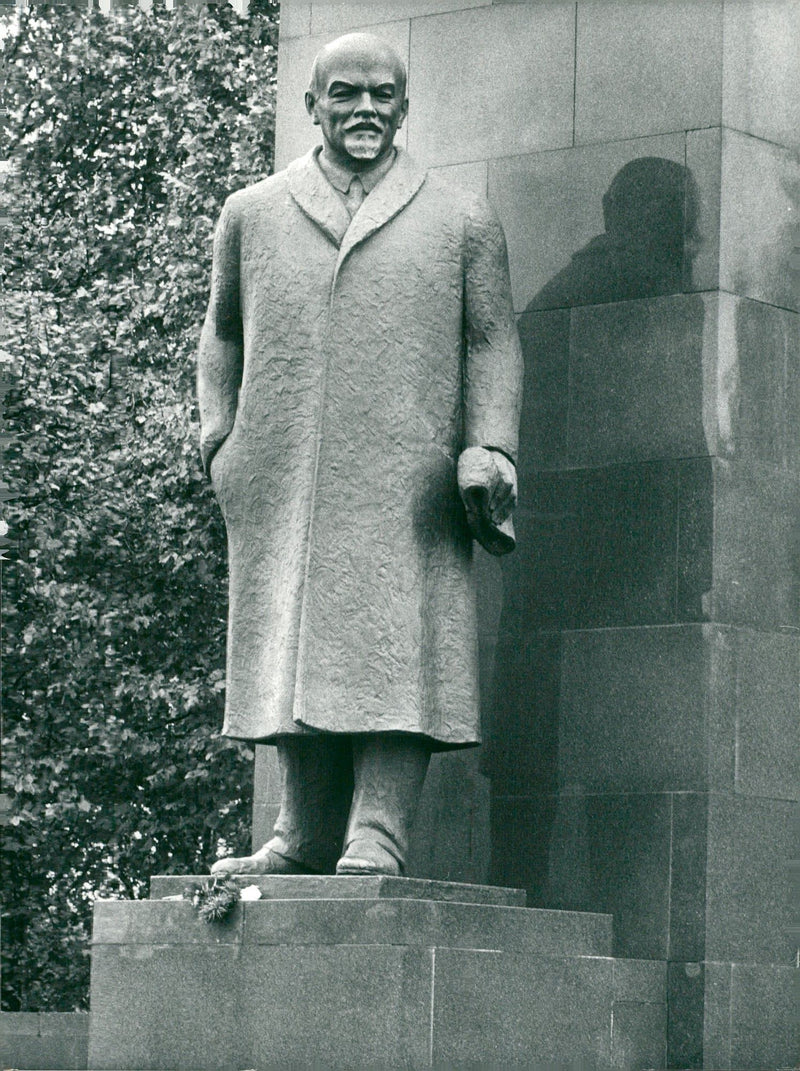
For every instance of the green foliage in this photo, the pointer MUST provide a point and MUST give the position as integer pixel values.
(126, 134)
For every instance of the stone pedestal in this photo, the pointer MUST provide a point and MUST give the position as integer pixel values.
(367, 973)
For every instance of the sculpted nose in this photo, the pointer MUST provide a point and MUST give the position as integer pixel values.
(365, 104)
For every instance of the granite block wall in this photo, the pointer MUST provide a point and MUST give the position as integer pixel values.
(44, 1040)
(641, 650)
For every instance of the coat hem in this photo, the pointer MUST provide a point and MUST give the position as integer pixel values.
(436, 743)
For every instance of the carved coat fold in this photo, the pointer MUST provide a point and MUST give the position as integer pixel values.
(343, 367)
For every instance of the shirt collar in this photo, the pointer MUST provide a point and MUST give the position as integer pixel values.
(341, 177)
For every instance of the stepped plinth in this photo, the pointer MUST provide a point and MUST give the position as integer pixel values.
(363, 972)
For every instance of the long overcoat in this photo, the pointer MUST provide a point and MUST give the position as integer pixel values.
(343, 367)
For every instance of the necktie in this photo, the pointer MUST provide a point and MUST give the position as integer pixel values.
(354, 196)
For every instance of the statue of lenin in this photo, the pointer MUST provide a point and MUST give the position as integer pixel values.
(359, 380)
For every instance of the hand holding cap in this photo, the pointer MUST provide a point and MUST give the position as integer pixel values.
(487, 482)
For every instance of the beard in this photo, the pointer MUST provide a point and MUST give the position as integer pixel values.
(363, 144)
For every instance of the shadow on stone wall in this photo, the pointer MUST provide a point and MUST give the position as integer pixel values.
(615, 524)
(650, 215)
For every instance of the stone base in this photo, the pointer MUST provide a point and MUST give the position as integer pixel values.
(41, 1040)
(348, 972)
(350, 887)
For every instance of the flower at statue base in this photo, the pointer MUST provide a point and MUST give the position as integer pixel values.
(214, 899)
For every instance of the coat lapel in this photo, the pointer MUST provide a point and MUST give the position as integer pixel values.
(389, 197)
(321, 203)
(317, 198)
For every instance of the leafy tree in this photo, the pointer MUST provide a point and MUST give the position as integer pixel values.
(126, 133)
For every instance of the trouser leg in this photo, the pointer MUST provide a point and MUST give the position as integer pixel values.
(389, 772)
(316, 790)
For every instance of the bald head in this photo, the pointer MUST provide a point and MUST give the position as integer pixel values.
(355, 48)
(357, 96)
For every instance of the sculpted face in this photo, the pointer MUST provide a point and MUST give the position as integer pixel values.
(358, 97)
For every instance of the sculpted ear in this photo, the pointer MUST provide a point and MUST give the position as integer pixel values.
(311, 103)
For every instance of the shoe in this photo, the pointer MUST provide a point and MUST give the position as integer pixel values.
(365, 858)
(264, 861)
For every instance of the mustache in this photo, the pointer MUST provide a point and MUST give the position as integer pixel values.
(364, 125)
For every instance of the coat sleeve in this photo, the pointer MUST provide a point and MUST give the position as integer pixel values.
(221, 355)
(493, 359)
